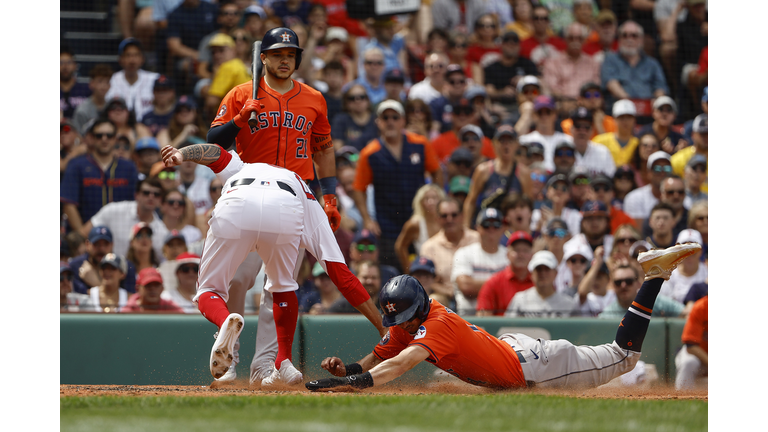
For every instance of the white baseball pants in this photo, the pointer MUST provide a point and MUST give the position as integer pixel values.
(689, 369)
(561, 364)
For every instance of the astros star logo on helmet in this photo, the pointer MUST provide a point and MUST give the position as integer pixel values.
(286, 37)
(391, 307)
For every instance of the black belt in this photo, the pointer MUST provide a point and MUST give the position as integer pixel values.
(247, 181)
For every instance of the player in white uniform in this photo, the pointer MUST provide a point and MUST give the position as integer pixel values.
(270, 210)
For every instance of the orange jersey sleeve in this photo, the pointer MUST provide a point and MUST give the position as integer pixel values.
(286, 125)
(459, 348)
(697, 327)
(488, 150)
(364, 175)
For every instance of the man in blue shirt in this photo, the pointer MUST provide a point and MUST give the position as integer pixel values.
(85, 268)
(96, 178)
(372, 77)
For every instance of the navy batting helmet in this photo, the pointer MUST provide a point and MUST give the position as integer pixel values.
(402, 299)
(282, 37)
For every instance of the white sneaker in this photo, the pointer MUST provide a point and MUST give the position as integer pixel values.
(287, 374)
(222, 353)
(231, 374)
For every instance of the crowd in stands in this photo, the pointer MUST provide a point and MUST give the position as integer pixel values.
(513, 155)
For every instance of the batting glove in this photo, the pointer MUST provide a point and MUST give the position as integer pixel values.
(251, 105)
(358, 381)
(334, 217)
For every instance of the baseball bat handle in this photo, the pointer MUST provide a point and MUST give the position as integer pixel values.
(256, 75)
(252, 121)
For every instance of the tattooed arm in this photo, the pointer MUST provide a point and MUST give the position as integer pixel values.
(211, 155)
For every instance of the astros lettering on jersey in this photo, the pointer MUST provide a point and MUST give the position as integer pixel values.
(292, 126)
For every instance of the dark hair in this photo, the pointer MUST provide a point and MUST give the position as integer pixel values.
(513, 200)
(101, 70)
(662, 206)
(345, 104)
(625, 266)
(637, 163)
(412, 104)
(65, 49)
(174, 128)
(439, 33)
(99, 121)
(317, 6)
(150, 181)
(334, 65)
(539, 6)
(515, 10)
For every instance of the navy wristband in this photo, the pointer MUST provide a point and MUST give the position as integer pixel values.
(354, 369)
(361, 381)
(328, 185)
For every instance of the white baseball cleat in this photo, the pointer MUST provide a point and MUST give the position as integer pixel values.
(659, 263)
(222, 353)
(287, 374)
(263, 371)
(231, 374)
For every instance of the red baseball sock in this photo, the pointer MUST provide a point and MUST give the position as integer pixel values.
(213, 308)
(285, 308)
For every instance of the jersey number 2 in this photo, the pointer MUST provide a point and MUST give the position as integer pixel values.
(301, 150)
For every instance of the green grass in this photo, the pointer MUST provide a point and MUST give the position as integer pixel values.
(372, 413)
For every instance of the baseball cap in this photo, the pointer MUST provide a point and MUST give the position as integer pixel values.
(510, 36)
(126, 43)
(589, 86)
(489, 213)
(535, 147)
(602, 179)
(664, 100)
(564, 144)
(527, 80)
(163, 83)
(65, 268)
(422, 264)
(579, 172)
(689, 235)
(624, 107)
(581, 113)
(639, 244)
(701, 123)
(255, 10)
(188, 257)
(100, 233)
(624, 171)
(349, 153)
(185, 102)
(390, 104)
(146, 143)
(519, 235)
(577, 248)
(462, 104)
(453, 68)
(115, 261)
(542, 102)
(697, 159)
(470, 128)
(475, 91)
(461, 154)
(394, 75)
(174, 234)
(138, 227)
(339, 33)
(656, 156)
(554, 224)
(115, 102)
(543, 257)
(606, 15)
(594, 208)
(557, 178)
(365, 235)
(459, 184)
(318, 270)
(148, 275)
(221, 40)
(505, 130)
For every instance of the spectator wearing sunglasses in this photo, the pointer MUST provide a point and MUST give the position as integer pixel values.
(545, 118)
(497, 292)
(573, 267)
(97, 178)
(591, 98)
(167, 176)
(355, 125)
(624, 237)
(433, 84)
(672, 193)
(140, 252)
(595, 228)
(500, 76)
(639, 202)
(542, 45)
(120, 217)
(700, 147)
(453, 90)
(517, 210)
(565, 157)
(564, 73)
(695, 176)
(602, 190)
(580, 179)
(605, 28)
(626, 282)
(365, 247)
(182, 286)
(664, 113)
(476, 263)
(484, 47)
(462, 114)
(594, 157)
(148, 297)
(178, 215)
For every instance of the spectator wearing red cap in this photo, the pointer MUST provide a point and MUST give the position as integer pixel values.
(182, 286)
(497, 292)
(149, 287)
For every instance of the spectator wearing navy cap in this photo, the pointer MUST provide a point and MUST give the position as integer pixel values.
(595, 157)
(174, 245)
(96, 178)
(365, 247)
(688, 125)
(117, 112)
(591, 98)
(545, 118)
(453, 92)
(394, 83)
(595, 227)
(564, 157)
(108, 295)
(145, 154)
(162, 105)
(603, 191)
(185, 123)
(535, 153)
(460, 164)
(423, 269)
(497, 292)
(475, 263)
(255, 17)
(623, 183)
(695, 176)
(133, 83)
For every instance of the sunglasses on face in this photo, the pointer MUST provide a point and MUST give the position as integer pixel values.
(374, 63)
(544, 112)
(464, 111)
(123, 147)
(539, 177)
(626, 240)
(559, 233)
(584, 126)
(167, 175)
(446, 215)
(666, 109)
(662, 168)
(560, 187)
(366, 248)
(700, 169)
(147, 193)
(593, 94)
(581, 181)
(630, 35)
(575, 260)
(390, 117)
(173, 203)
(566, 153)
(470, 137)
(458, 82)
(103, 135)
(540, 18)
(216, 188)
(491, 224)
(65, 277)
(490, 26)
(142, 235)
(619, 282)
(531, 91)
(353, 98)
(601, 188)
(189, 268)
(228, 13)
(680, 192)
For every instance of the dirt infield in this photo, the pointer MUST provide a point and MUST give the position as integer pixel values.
(238, 388)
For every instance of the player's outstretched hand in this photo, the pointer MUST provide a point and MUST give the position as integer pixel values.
(251, 105)
(327, 383)
(334, 217)
(171, 156)
(335, 366)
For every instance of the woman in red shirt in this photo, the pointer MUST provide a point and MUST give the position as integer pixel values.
(484, 41)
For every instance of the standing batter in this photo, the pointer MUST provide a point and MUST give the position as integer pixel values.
(423, 329)
(270, 210)
(292, 132)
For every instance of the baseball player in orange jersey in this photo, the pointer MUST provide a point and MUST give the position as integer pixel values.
(292, 132)
(423, 329)
(268, 209)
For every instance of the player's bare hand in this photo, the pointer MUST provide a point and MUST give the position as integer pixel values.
(171, 156)
(335, 366)
(251, 106)
(599, 251)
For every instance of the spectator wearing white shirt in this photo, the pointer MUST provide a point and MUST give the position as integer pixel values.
(595, 157)
(133, 84)
(690, 271)
(477, 262)
(431, 87)
(545, 116)
(542, 300)
(639, 202)
(558, 194)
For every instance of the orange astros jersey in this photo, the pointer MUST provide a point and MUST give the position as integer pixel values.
(291, 127)
(459, 348)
